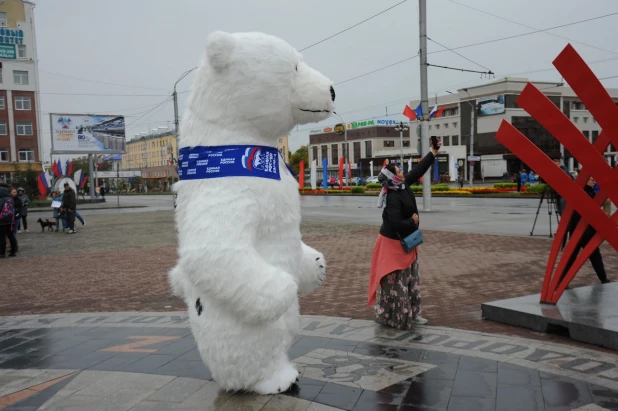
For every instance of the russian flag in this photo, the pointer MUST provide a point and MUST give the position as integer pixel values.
(69, 168)
(59, 165)
(419, 111)
(43, 186)
(435, 112)
(409, 113)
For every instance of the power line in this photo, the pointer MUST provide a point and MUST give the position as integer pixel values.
(149, 111)
(375, 71)
(606, 78)
(530, 27)
(489, 73)
(527, 34)
(460, 55)
(351, 27)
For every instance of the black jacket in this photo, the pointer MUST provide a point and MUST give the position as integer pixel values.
(69, 200)
(575, 219)
(5, 195)
(401, 205)
(17, 204)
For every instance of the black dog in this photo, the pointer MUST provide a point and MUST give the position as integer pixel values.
(50, 225)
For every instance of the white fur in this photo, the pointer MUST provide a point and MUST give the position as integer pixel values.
(240, 248)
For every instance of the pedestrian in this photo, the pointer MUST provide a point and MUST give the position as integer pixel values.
(531, 177)
(103, 192)
(17, 205)
(7, 219)
(393, 269)
(596, 259)
(58, 215)
(25, 202)
(517, 179)
(69, 205)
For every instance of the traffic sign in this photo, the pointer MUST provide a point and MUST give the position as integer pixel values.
(474, 158)
(121, 174)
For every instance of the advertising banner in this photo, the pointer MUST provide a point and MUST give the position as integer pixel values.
(7, 51)
(87, 133)
(490, 105)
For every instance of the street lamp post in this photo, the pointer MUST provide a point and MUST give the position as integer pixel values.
(401, 128)
(346, 155)
(176, 121)
(471, 133)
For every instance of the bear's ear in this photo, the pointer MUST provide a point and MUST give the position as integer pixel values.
(219, 48)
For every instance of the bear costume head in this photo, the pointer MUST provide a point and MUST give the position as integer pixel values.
(252, 88)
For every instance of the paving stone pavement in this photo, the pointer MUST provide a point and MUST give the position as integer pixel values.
(120, 263)
(149, 361)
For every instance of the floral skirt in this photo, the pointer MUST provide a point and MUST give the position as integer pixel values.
(400, 298)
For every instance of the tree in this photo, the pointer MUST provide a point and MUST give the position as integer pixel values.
(301, 154)
(27, 179)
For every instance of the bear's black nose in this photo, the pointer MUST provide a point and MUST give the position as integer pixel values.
(332, 93)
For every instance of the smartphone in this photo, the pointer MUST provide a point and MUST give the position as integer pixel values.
(434, 142)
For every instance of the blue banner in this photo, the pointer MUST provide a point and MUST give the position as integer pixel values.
(436, 171)
(325, 173)
(196, 163)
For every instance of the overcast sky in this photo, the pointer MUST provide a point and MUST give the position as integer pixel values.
(141, 47)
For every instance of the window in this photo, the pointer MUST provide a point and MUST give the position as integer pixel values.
(334, 151)
(0, 75)
(4, 154)
(575, 119)
(446, 141)
(595, 135)
(455, 125)
(2, 105)
(368, 152)
(357, 152)
(21, 51)
(586, 134)
(430, 126)
(445, 125)
(314, 149)
(20, 77)
(22, 103)
(324, 152)
(24, 128)
(3, 128)
(454, 140)
(3, 21)
(585, 119)
(389, 143)
(437, 126)
(406, 143)
(26, 154)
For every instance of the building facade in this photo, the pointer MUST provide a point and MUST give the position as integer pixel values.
(476, 111)
(152, 155)
(284, 148)
(20, 118)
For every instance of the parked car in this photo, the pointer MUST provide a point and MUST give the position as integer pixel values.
(372, 180)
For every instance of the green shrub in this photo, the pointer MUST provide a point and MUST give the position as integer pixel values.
(505, 185)
(40, 203)
(373, 186)
(440, 187)
(358, 190)
(537, 188)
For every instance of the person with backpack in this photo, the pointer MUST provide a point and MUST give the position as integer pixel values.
(7, 217)
(17, 206)
(69, 204)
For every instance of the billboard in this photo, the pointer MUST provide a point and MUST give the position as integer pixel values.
(490, 105)
(87, 133)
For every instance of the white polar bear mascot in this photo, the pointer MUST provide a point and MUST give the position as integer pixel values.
(242, 261)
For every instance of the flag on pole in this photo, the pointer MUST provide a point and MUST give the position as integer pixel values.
(409, 113)
(349, 172)
(56, 169)
(436, 171)
(83, 182)
(314, 176)
(59, 165)
(325, 173)
(360, 171)
(69, 168)
(419, 111)
(371, 167)
(385, 162)
(43, 187)
(78, 177)
(440, 111)
(301, 174)
(341, 173)
(433, 111)
(410, 164)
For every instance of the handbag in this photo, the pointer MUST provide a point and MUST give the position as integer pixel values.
(412, 241)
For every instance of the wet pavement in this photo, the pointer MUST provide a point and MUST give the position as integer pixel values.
(149, 361)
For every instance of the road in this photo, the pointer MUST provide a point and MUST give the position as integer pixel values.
(501, 216)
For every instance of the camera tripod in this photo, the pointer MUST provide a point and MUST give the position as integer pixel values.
(552, 206)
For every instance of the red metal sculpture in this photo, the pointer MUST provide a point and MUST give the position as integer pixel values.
(589, 89)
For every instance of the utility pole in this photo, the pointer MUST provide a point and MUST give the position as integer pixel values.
(346, 156)
(401, 127)
(176, 120)
(422, 17)
(471, 137)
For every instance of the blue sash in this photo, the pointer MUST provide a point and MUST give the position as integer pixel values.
(201, 162)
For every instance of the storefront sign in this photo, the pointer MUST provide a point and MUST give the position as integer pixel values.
(339, 129)
(327, 130)
(387, 122)
(7, 51)
(360, 124)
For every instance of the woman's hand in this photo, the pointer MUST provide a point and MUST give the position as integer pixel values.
(433, 150)
(415, 218)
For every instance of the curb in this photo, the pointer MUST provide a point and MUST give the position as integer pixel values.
(42, 210)
(420, 195)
